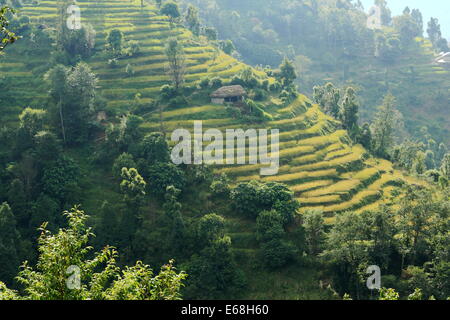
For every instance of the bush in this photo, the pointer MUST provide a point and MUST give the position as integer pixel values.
(216, 83)
(260, 95)
(250, 198)
(178, 102)
(220, 186)
(204, 83)
(236, 80)
(275, 87)
(168, 92)
(134, 47)
(277, 253)
(161, 175)
(125, 160)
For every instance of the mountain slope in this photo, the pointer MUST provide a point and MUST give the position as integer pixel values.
(317, 161)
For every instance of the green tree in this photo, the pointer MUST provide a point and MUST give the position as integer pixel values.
(348, 249)
(57, 79)
(417, 210)
(176, 61)
(154, 148)
(417, 16)
(287, 74)
(275, 251)
(171, 10)
(213, 273)
(115, 41)
(80, 42)
(32, 120)
(125, 160)
(383, 127)
(349, 113)
(9, 244)
(381, 228)
(435, 35)
(161, 175)
(220, 186)
(175, 223)
(60, 179)
(210, 33)
(386, 17)
(74, 91)
(445, 166)
(192, 20)
(47, 147)
(328, 97)
(63, 261)
(407, 27)
(250, 198)
(133, 187)
(227, 46)
(313, 223)
(81, 94)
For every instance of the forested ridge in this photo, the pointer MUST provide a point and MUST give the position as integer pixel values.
(87, 115)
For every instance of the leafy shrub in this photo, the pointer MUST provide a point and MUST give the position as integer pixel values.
(125, 160)
(161, 175)
(204, 83)
(216, 83)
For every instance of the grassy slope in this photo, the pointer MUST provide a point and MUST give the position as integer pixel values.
(317, 160)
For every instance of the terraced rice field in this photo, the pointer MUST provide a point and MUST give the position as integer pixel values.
(144, 25)
(317, 159)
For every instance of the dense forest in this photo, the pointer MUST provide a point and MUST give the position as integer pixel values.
(92, 205)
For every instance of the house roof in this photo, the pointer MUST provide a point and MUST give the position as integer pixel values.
(229, 91)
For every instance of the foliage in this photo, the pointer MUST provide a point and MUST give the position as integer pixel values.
(176, 67)
(125, 160)
(9, 244)
(252, 197)
(64, 254)
(133, 187)
(6, 36)
(313, 223)
(161, 175)
(60, 180)
(170, 9)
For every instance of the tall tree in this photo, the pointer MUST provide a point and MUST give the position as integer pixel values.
(81, 94)
(383, 126)
(9, 244)
(132, 187)
(177, 61)
(287, 73)
(434, 30)
(57, 78)
(115, 41)
(192, 20)
(349, 113)
(313, 223)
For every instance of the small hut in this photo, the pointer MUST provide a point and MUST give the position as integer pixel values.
(228, 94)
